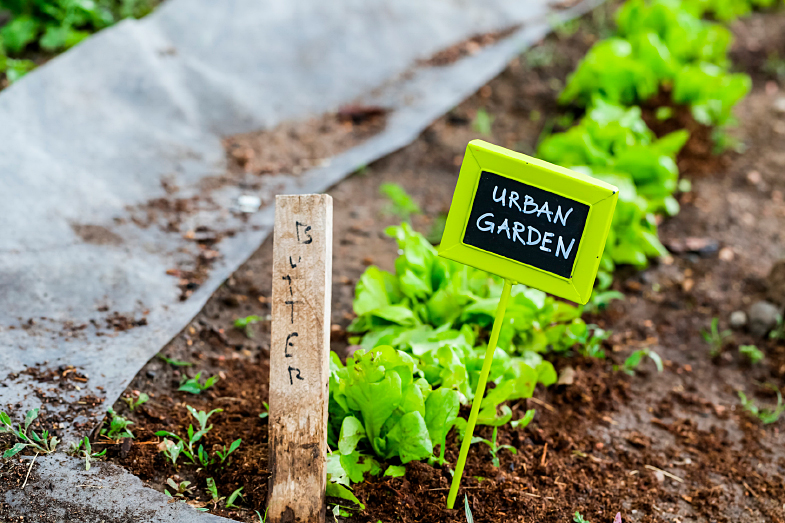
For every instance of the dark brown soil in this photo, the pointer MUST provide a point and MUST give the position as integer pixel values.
(675, 446)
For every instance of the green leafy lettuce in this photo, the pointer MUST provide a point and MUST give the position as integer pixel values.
(614, 144)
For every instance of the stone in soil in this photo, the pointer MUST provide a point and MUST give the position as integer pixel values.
(763, 317)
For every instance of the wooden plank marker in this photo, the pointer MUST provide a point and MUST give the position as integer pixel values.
(529, 222)
(299, 357)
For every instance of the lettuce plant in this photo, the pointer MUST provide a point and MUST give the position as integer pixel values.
(686, 37)
(612, 71)
(379, 403)
(664, 44)
(710, 91)
(422, 333)
(614, 144)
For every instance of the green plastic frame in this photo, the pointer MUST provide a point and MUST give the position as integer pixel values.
(601, 198)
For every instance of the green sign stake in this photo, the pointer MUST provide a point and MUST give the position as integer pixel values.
(530, 222)
(486, 368)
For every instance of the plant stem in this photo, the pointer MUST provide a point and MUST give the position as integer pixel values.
(28, 471)
(478, 395)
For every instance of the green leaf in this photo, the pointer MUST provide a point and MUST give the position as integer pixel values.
(335, 490)
(469, 517)
(546, 374)
(54, 38)
(352, 431)
(30, 417)
(409, 439)
(376, 289)
(525, 420)
(232, 497)
(487, 416)
(19, 32)
(13, 451)
(752, 353)
(356, 465)
(401, 204)
(395, 471)
(241, 323)
(441, 411)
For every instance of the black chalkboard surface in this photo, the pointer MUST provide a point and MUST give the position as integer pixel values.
(526, 224)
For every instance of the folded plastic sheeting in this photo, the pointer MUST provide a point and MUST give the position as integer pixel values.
(97, 144)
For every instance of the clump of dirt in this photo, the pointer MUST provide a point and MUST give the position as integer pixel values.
(120, 322)
(193, 271)
(96, 234)
(295, 147)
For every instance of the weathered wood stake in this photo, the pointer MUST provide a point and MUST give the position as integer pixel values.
(299, 357)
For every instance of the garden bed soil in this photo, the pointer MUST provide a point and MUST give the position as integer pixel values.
(674, 446)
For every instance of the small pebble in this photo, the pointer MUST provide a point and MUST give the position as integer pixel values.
(248, 203)
(763, 316)
(150, 374)
(738, 319)
(726, 254)
(779, 105)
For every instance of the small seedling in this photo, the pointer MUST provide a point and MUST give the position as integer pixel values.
(778, 332)
(198, 455)
(171, 450)
(752, 353)
(84, 449)
(223, 455)
(590, 342)
(482, 122)
(775, 66)
(634, 360)
(262, 519)
(133, 403)
(540, 56)
(600, 300)
(469, 517)
(173, 362)
(493, 447)
(577, 518)
(244, 324)
(564, 28)
(715, 338)
(266, 410)
(43, 444)
(233, 497)
(401, 204)
(194, 386)
(766, 416)
(340, 511)
(723, 141)
(179, 489)
(118, 426)
(213, 491)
